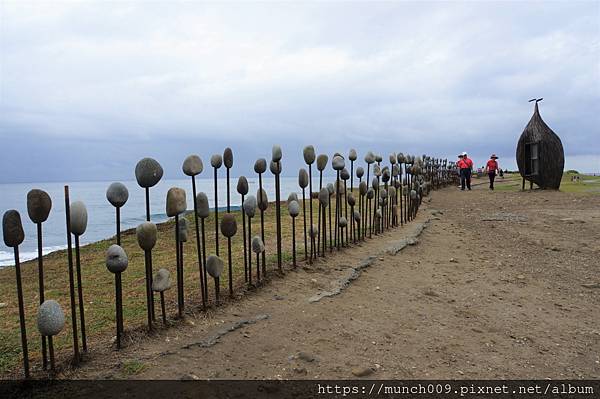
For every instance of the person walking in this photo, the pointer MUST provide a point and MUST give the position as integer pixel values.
(466, 166)
(491, 169)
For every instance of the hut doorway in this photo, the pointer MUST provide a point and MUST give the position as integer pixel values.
(532, 158)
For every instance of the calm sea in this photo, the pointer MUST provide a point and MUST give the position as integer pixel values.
(101, 214)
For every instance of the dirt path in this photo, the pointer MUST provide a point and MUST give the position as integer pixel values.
(499, 285)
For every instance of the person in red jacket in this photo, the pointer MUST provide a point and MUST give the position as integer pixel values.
(466, 166)
(491, 169)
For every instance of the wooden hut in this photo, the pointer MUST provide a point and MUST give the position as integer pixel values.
(540, 154)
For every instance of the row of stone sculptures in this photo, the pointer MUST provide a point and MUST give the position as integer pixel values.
(390, 198)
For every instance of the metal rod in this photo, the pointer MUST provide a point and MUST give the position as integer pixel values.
(278, 215)
(304, 217)
(217, 290)
(181, 278)
(119, 307)
(71, 279)
(41, 289)
(319, 238)
(262, 227)
(294, 242)
(148, 289)
(204, 261)
(352, 229)
(337, 210)
(178, 268)
(229, 263)
(249, 248)
(346, 208)
(330, 229)
(228, 195)
(21, 313)
(162, 307)
(244, 240)
(198, 247)
(311, 211)
(216, 215)
(147, 190)
(80, 295)
(51, 352)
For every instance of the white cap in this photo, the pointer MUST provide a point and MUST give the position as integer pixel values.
(463, 153)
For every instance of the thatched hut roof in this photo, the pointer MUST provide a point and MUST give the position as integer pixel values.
(540, 154)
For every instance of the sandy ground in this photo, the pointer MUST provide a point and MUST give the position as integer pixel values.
(499, 285)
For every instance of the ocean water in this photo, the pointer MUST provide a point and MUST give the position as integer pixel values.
(101, 214)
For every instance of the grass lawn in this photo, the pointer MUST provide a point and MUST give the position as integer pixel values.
(586, 184)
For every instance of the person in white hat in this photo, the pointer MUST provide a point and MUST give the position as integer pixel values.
(491, 169)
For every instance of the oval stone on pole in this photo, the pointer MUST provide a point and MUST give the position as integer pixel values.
(228, 225)
(352, 155)
(203, 208)
(309, 154)
(39, 205)
(192, 165)
(260, 166)
(176, 201)
(216, 161)
(262, 199)
(146, 235)
(117, 194)
(242, 185)
(183, 230)
(294, 208)
(116, 259)
(12, 229)
(257, 245)
(79, 218)
(50, 318)
(250, 206)
(276, 153)
(214, 266)
(303, 178)
(275, 167)
(322, 160)
(324, 197)
(337, 162)
(148, 172)
(161, 280)
(360, 172)
(228, 157)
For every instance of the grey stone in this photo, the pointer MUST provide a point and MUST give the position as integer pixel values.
(362, 371)
(161, 280)
(413, 195)
(176, 201)
(337, 162)
(330, 188)
(313, 231)
(393, 158)
(50, 318)
(39, 205)
(401, 158)
(344, 174)
(376, 170)
(214, 266)
(262, 199)
(192, 165)
(260, 166)
(351, 199)
(378, 214)
(396, 171)
(303, 178)
(216, 160)
(183, 230)
(228, 225)
(250, 206)
(370, 193)
(322, 162)
(117, 194)
(383, 193)
(362, 188)
(360, 172)
(228, 157)
(352, 155)
(309, 154)
(202, 206)
(378, 158)
(276, 153)
(146, 235)
(116, 259)
(292, 197)
(257, 245)
(385, 174)
(392, 192)
(148, 172)
(275, 167)
(357, 216)
(324, 197)
(242, 185)
(375, 183)
(12, 229)
(369, 157)
(343, 222)
(294, 208)
(79, 217)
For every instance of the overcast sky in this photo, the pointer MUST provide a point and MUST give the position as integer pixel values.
(88, 88)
